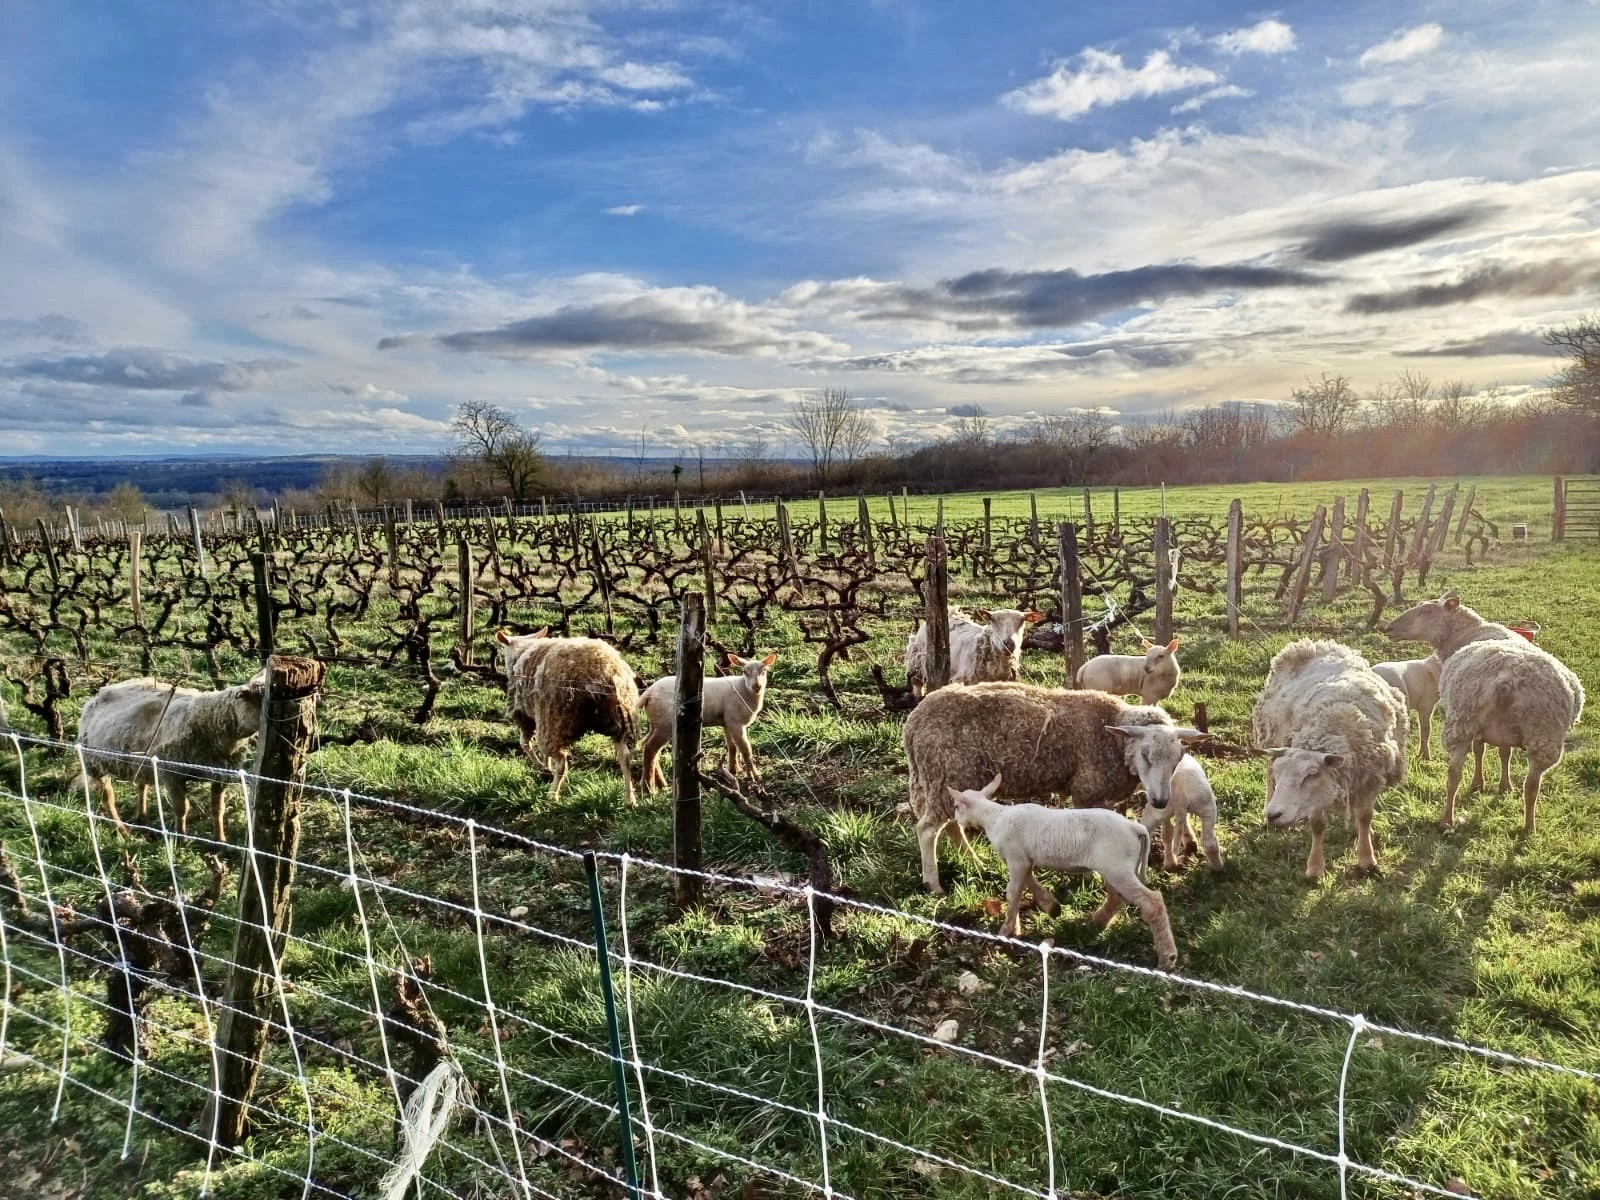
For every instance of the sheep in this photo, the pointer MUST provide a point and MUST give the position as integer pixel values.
(733, 702)
(1336, 733)
(1099, 750)
(559, 689)
(1191, 794)
(1418, 679)
(1499, 691)
(145, 718)
(1076, 841)
(1152, 676)
(979, 653)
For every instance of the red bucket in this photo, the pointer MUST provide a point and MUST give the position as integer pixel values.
(1528, 629)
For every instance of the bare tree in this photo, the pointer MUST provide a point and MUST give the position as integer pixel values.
(754, 448)
(489, 434)
(1459, 407)
(1071, 438)
(375, 480)
(1577, 384)
(1406, 404)
(831, 429)
(1324, 409)
(973, 426)
(641, 449)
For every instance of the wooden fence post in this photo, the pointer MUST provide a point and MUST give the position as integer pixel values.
(465, 630)
(1088, 517)
(822, 523)
(894, 521)
(199, 543)
(1330, 562)
(686, 749)
(1308, 553)
(135, 596)
(49, 552)
(1071, 599)
(602, 580)
(708, 564)
(1558, 519)
(988, 525)
(258, 568)
(1419, 536)
(5, 540)
(1233, 586)
(1397, 508)
(937, 615)
(1358, 558)
(1033, 519)
(1441, 527)
(786, 541)
(938, 518)
(288, 729)
(1466, 511)
(1116, 513)
(1163, 546)
(864, 516)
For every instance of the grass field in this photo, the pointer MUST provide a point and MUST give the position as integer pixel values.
(1474, 934)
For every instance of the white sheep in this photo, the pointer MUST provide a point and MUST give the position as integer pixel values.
(1418, 679)
(1496, 690)
(139, 719)
(979, 653)
(732, 701)
(1074, 840)
(1191, 794)
(1152, 676)
(1336, 732)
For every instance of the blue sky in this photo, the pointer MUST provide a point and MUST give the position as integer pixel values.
(316, 225)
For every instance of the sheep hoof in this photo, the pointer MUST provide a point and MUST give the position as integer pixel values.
(1370, 871)
(1168, 962)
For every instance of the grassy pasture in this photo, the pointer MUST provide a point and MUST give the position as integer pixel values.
(1473, 935)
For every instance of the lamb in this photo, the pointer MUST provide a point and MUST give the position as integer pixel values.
(1076, 841)
(1418, 679)
(733, 702)
(559, 689)
(144, 718)
(1152, 676)
(1191, 793)
(1099, 750)
(1499, 691)
(979, 653)
(1336, 733)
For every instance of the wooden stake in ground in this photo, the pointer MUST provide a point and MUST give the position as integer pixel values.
(686, 748)
(250, 992)
(466, 595)
(1071, 598)
(1308, 553)
(135, 597)
(1163, 546)
(1233, 588)
(1330, 563)
(937, 614)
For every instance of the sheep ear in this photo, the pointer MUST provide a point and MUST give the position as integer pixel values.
(993, 786)
(1146, 642)
(541, 632)
(501, 636)
(1187, 733)
(770, 659)
(956, 794)
(1275, 751)
(1451, 600)
(1172, 646)
(1124, 731)
(1332, 760)
(982, 615)
(734, 660)
(1033, 616)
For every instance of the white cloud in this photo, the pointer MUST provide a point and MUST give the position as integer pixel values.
(1408, 43)
(625, 210)
(1227, 91)
(1102, 79)
(1266, 37)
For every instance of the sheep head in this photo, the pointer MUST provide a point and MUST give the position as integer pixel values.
(1305, 784)
(965, 804)
(1153, 752)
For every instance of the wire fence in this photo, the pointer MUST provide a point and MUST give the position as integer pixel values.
(517, 1084)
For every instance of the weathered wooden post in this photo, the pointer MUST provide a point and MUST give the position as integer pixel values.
(1441, 527)
(1163, 541)
(686, 749)
(708, 565)
(1033, 519)
(1308, 553)
(466, 597)
(938, 519)
(1358, 559)
(988, 525)
(258, 568)
(602, 580)
(49, 552)
(5, 539)
(1397, 508)
(822, 524)
(1558, 518)
(937, 614)
(1088, 516)
(135, 594)
(1331, 564)
(199, 542)
(1466, 511)
(288, 730)
(894, 521)
(1071, 599)
(1116, 513)
(722, 544)
(1233, 587)
(1419, 537)
(786, 541)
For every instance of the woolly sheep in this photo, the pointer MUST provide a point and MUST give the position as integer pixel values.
(559, 689)
(145, 718)
(733, 702)
(1191, 794)
(1336, 733)
(1418, 679)
(1503, 692)
(979, 653)
(1152, 676)
(1087, 745)
(1076, 841)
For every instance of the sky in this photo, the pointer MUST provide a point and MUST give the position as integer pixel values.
(316, 226)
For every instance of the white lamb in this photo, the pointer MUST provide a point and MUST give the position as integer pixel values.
(1074, 840)
(1418, 678)
(1153, 676)
(141, 718)
(1191, 793)
(733, 702)
(990, 652)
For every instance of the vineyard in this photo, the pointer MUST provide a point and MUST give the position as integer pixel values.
(790, 1033)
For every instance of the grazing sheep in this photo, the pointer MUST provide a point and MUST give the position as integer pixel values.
(979, 653)
(1498, 691)
(1152, 676)
(1076, 841)
(1087, 745)
(1418, 679)
(1337, 736)
(145, 718)
(1191, 793)
(732, 702)
(559, 689)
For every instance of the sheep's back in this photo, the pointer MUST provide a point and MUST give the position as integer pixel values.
(584, 686)
(1530, 687)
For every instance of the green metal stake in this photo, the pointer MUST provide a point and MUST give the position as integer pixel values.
(597, 916)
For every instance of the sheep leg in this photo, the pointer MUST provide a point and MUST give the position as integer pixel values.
(1154, 911)
(1115, 903)
(1452, 783)
(219, 809)
(1505, 769)
(1043, 897)
(743, 738)
(1537, 766)
(179, 791)
(928, 831)
(1365, 860)
(560, 762)
(1169, 851)
(108, 792)
(625, 765)
(1012, 926)
(1186, 842)
(1477, 768)
(1208, 839)
(144, 802)
(1426, 719)
(654, 742)
(1315, 863)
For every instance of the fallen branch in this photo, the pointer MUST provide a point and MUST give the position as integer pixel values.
(794, 837)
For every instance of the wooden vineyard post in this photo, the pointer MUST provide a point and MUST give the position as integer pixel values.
(722, 543)
(1088, 517)
(288, 729)
(1071, 599)
(864, 517)
(1558, 519)
(1441, 527)
(1308, 553)
(1233, 587)
(1358, 559)
(1466, 511)
(938, 519)
(1116, 513)
(708, 564)
(602, 580)
(894, 521)
(135, 597)
(1397, 508)
(1033, 519)
(49, 552)
(5, 540)
(988, 525)
(937, 615)
(438, 520)
(686, 749)
(258, 568)
(786, 543)
(410, 513)
(1330, 562)
(391, 537)
(199, 543)
(465, 630)
(745, 504)
(1163, 542)
(1420, 535)
(822, 523)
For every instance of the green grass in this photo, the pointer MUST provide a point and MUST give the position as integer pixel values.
(1475, 935)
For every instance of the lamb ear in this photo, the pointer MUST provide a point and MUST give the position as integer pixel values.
(541, 632)
(1124, 731)
(1332, 760)
(1032, 616)
(734, 660)
(1172, 646)
(1146, 642)
(993, 786)
(1274, 751)
(770, 659)
(501, 636)
(955, 793)
(1451, 600)
(982, 615)
(1187, 733)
